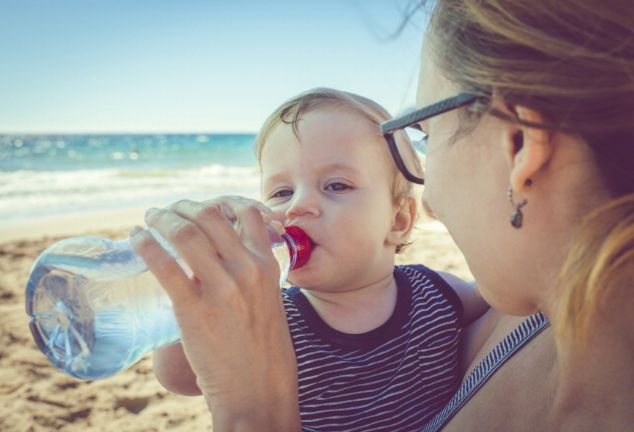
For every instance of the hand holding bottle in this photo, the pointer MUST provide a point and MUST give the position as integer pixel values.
(233, 326)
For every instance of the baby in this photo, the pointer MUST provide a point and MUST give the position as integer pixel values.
(376, 344)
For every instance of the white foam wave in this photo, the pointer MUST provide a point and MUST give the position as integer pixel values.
(31, 194)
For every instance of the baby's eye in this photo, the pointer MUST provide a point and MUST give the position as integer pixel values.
(337, 187)
(283, 193)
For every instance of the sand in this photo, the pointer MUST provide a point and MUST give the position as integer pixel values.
(34, 396)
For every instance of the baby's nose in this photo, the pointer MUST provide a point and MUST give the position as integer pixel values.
(303, 204)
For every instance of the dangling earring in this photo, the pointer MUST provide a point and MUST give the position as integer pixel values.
(517, 218)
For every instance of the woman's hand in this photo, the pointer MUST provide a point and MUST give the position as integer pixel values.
(233, 326)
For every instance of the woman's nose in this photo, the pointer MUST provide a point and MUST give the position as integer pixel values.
(303, 204)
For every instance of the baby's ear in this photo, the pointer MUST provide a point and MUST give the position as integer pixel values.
(402, 221)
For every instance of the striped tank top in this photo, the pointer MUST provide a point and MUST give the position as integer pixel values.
(393, 378)
(510, 345)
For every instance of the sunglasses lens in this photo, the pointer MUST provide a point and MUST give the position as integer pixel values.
(415, 134)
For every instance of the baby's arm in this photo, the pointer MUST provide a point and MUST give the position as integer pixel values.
(172, 370)
(473, 305)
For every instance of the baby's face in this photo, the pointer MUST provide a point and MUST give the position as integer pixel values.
(335, 183)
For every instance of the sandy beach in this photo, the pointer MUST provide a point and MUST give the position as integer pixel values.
(36, 397)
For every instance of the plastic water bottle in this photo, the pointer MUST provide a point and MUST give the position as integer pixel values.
(96, 309)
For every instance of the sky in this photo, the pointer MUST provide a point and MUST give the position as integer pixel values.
(144, 66)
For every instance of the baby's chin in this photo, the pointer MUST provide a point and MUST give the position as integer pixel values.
(296, 280)
(311, 284)
(301, 279)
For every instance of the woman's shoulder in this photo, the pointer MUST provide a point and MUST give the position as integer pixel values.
(484, 334)
(504, 364)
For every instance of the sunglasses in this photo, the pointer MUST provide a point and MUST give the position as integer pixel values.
(409, 123)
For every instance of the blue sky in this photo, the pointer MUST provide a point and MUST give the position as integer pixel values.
(193, 65)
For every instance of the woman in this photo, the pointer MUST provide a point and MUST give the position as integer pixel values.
(530, 166)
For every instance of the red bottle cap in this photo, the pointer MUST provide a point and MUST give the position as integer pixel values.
(302, 245)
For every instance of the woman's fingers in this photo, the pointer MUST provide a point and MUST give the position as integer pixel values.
(247, 201)
(224, 242)
(251, 227)
(179, 287)
(192, 245)
(216, 220)
(233, 327)
(236, 230)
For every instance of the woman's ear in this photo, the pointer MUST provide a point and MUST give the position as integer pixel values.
(528, 149)
(402, 222)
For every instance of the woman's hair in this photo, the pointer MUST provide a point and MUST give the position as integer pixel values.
(572, 61)
(601, 258)
(291, 112)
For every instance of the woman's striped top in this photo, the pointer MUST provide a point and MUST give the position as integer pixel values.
(510, 345)
(393, 378)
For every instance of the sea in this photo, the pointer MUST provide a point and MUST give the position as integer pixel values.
(53, 175)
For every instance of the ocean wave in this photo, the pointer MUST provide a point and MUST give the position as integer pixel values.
(26, 194)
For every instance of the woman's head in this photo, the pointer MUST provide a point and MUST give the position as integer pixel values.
(572, 61)
(557, 79)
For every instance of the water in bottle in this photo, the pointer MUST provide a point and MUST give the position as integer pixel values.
(96, 309)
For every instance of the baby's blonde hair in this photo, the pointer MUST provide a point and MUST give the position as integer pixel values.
(291, 111)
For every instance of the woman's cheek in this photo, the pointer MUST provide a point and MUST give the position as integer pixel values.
(431, 202)
(432, 185)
